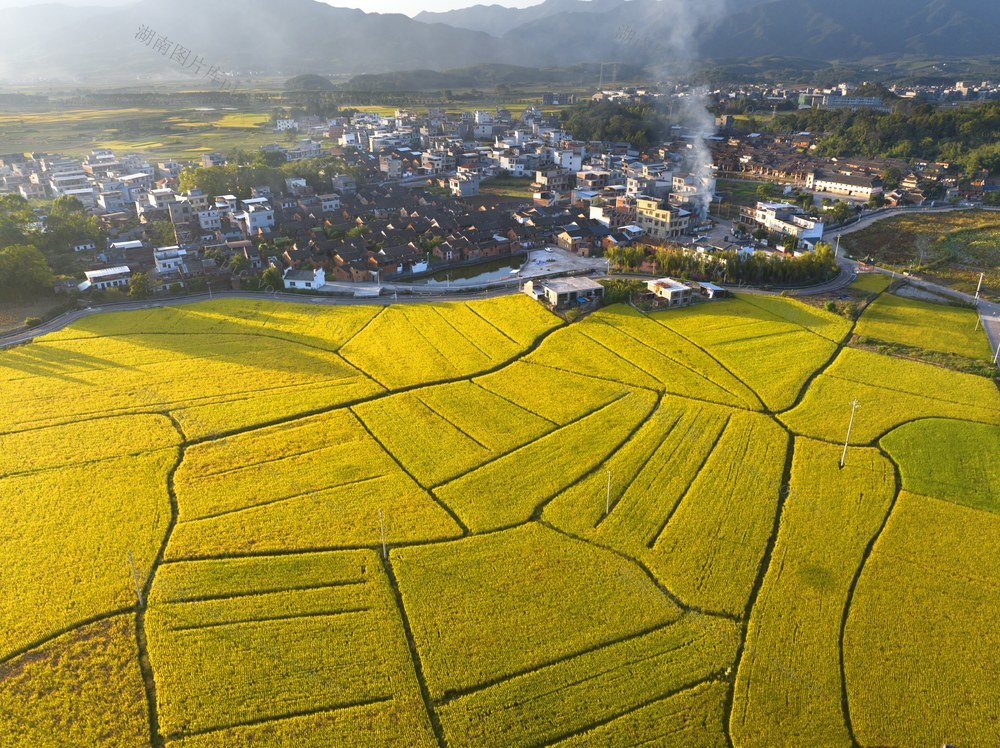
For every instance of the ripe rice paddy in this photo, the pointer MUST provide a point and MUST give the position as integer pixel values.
(472, 524)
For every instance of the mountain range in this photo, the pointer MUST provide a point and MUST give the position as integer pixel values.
(263, 37)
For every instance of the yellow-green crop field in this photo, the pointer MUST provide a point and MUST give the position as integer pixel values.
(263, 523)
(924, 324)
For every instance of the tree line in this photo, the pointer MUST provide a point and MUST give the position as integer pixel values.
(966, 136)
(730, 267)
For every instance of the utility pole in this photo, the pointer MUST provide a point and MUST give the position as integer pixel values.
(854, 407)
(836, 251)
(996, 355)
(135, 579)
(607, 500)
(978, 287)
(381, 525)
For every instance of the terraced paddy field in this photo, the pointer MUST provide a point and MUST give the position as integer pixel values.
(471, 524)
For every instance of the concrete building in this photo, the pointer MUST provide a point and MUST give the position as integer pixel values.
(674, 293)
(560, 293)
(659, 220)
(783, 219)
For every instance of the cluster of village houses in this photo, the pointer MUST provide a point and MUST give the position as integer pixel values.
(412, 198)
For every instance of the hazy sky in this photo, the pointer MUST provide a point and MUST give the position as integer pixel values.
(371, 6)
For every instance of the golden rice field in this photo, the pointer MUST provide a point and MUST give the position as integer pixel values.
(247, 523)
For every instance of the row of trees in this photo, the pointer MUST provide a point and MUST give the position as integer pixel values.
(731, 267)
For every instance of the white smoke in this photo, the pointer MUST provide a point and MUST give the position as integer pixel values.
(671, 57)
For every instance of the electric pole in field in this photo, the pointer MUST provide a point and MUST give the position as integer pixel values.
(607, 499)
(381, 526)
(135, 579)
(980, 286)
(854, 407)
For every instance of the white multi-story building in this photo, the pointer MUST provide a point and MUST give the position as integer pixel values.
(784, 219)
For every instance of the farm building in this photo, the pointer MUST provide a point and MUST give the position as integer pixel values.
(116, 277)
(674, 293)
(559, 293)
(712, 291)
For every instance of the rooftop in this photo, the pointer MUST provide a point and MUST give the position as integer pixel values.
(571, 285)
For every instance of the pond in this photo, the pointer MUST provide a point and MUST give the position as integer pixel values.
(499, 269)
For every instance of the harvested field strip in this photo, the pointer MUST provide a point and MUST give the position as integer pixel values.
(788, 686)
(711, 548)
(544, 705)
(509, 490)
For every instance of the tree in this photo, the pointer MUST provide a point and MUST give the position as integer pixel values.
(891, 177)
(139, 286)
(161, 233)
(24, 272)
(272, 279)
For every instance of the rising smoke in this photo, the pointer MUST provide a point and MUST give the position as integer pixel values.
(670, 55)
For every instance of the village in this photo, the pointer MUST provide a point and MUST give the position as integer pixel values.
(400, 198)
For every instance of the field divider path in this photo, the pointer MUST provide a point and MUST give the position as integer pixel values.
(845, 701)
(454, 517)
(833, 356)
(14, 654)
(376, 396)
(670, 515)
(621, 497)
(763, 406)
(461, 334)
(675, 361)
(450, 422)
(271, 619)
(261, 593)
(717, 677)
(457, 693)
(765, 563)
(512, 450)
(411, 643)
(618, 382)
(289, 715)
(472, 309)
(516, 405)
(645, 570)
(145, 666)
(280, 500)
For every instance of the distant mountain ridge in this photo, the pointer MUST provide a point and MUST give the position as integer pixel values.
(294, 37)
